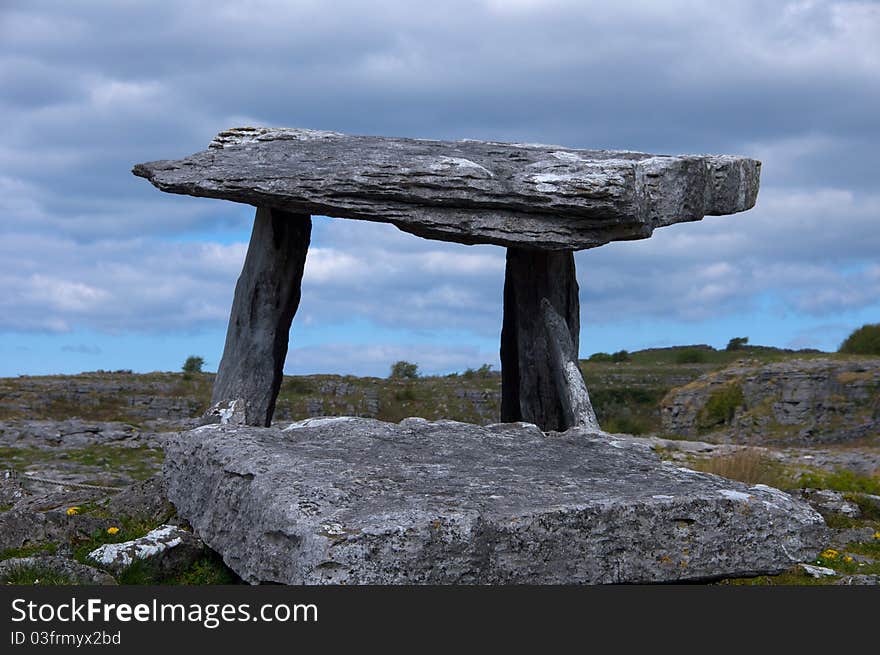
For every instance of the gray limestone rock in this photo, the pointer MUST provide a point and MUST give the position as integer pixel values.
(168, 547)
(226, 412)
(570, 385)
(510, 194)
(24, 527)
(70, 569)
(11, 490)
(859, 580)
(842, 536)
(360, 501)
(817, 571)
(69, 433)
(143, 500)
(831, 502)
(793, 402)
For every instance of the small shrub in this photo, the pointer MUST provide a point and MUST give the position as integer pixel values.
(620, 356)
(193, 364)
(406, 394)
(691, 356)
(299, 385)
(403, 370)
(600, 357)
(626, 425)
(720, 407)
(208, 570)
(737, 343)
(864, 341)
(484, 371)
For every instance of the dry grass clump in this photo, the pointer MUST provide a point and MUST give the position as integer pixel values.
(749, 465)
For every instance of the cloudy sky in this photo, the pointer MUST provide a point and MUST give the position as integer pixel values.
(100, 270)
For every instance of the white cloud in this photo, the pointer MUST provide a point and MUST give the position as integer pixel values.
(120, 95)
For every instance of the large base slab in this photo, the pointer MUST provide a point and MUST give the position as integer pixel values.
(360, 501)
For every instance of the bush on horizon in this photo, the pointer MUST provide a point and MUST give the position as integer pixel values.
(193, 364)
(404, 370)
(863, 341)
(737, 343)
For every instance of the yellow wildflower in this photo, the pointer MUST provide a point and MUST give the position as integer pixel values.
(72, 510)
(112, 530)
(877, 535)
(848, 559)
(829, 553)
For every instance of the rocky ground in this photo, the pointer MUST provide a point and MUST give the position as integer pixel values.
(79, 454)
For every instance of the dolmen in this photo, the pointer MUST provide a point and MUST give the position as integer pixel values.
(544, 496)
(540, 202)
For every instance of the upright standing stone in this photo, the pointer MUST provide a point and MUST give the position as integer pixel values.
(266, 298)
(540, 380)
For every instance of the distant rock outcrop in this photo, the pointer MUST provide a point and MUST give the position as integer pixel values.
(795, 402)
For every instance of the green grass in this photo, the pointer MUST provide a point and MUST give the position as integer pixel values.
(792, 577)
(138, 463)
(691, 356)
(207, 570)
(34, 575)
(839, 521)
(870, 511)
(630, 410)
(843, 562)
(29, 551)
(868, 549)
(841, 480)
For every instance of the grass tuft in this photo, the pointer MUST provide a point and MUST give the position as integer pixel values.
(749, 465)
(35, 575)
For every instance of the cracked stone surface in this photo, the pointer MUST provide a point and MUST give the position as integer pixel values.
(509, 194)
(360, 501)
